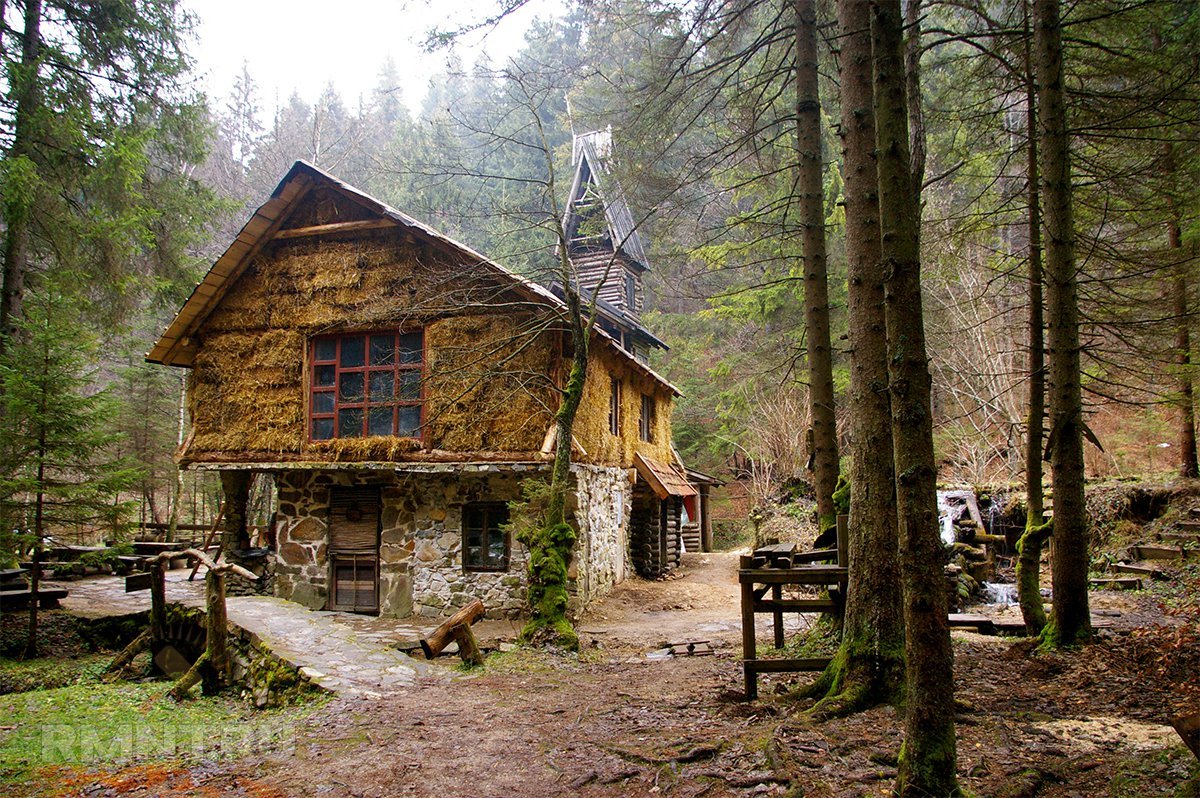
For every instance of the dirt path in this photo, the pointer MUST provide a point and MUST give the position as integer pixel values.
(614, 723)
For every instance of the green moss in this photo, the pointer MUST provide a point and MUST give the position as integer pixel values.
(126, 722)
(550, 550)
(929, 772)
(841, 496)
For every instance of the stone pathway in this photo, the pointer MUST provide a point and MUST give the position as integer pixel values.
(344, 653)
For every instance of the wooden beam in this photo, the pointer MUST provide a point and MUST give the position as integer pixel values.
(335, 227)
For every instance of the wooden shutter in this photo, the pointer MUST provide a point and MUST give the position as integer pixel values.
(354, 520)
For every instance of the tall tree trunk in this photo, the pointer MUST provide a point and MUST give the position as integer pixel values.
(916, 113)
(816, 279)
(18, 206)
(928, 758)
(869, 666)
(1180, 296)
(1029, 547)
(1071, 622)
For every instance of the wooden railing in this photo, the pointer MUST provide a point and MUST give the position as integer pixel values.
(768, 570)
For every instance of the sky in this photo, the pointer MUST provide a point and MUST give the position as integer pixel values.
(303, 45)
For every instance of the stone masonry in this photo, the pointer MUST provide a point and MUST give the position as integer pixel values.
(420, 554)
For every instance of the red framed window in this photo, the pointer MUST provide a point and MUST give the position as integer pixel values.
(366, 384)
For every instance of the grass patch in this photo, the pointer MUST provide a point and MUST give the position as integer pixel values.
(126, 723)
(47, 673)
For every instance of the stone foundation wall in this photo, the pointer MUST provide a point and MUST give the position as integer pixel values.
(420, 568)
(601, 506)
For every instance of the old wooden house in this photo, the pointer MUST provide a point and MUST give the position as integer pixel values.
(400, 387)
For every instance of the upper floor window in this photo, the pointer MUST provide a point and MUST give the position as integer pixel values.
(630, 292)
(366, 384)
(646, 422)
(614, 406)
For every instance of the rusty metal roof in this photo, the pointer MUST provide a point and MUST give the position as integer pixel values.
(174, 347)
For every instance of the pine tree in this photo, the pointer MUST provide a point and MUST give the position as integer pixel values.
(57, 472)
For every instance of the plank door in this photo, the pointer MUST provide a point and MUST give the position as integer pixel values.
(354, 549)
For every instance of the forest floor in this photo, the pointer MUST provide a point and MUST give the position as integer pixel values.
(615, 721)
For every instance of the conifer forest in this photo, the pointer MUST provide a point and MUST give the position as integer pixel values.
(665, 397)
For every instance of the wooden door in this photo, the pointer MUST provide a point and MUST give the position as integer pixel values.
(354, 549)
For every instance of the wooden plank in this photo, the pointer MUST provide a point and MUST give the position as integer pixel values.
(802, 575)
(795, 605)
(1180, 537)
(963, 620)
(1137, 570)
(814, 556)
(786, 665)
(335, 227)
(1144, 551)
(135, 583)
(1118, 583)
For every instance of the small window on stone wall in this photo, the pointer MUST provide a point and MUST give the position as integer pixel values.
(485, 541)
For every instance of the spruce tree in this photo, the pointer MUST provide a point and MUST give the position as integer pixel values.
(57, 472)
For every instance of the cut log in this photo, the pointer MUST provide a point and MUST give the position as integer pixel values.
(468, 649)
(1188, 727)
(441, 637)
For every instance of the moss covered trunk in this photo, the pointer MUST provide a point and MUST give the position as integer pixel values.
(811, 188)
(1071, 621)
(552, 544)
(928, 757)
(869, 666)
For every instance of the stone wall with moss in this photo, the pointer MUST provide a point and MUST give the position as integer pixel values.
(420, 555)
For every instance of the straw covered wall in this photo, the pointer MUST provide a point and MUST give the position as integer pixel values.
(486, 367)
(591, 423)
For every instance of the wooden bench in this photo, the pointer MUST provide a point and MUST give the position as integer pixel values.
(48, 598)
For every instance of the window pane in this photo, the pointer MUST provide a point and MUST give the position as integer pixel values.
(350, 422)
(383, 350)
(496, 548)
(411, 345)
(410, 385)
(409, 425)
(325, 349)
(382, 386)
(323, 402)
(354, 351)
(351, 386)
(379, 421)
(324, 375)
(322, 429)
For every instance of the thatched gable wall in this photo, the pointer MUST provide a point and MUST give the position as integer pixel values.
(487, 368)
(591, 423)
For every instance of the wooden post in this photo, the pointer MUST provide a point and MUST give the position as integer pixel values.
(158, 599)
(217, 626)
(777, 615)
(843, 541)
(705, 521)
(749, 647)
